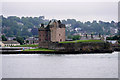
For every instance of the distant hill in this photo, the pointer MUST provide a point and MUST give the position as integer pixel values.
(27, 26)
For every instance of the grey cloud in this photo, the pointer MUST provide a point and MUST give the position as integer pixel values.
(78, 10)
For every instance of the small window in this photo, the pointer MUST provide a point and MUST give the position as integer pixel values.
(59, 34)
(46, 40)
(60, 39)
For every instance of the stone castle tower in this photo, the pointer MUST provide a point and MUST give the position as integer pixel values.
(53, 32)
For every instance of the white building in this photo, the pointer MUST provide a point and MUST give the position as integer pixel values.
(8, 43)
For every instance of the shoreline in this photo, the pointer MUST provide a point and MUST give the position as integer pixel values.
(56, 52)
(20, 51)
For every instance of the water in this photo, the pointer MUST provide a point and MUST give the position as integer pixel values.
(60, 66)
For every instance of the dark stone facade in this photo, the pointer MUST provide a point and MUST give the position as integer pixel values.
(82, 47)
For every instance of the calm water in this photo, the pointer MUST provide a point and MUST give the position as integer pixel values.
(60, 66)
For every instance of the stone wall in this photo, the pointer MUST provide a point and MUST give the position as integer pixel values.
(44, 38)
(60, 36)
(44, 44)
(53, 34)
(80, 47)
(57, 34)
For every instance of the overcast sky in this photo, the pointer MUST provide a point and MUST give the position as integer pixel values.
(83, 11)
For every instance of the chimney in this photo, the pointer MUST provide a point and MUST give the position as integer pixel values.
(59, 21)
(91, 35)
(42, 25)
(86, 35)
(99, 35)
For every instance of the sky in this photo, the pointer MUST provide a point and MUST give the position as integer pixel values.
(74, 9)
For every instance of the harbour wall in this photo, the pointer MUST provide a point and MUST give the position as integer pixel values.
(81, 47)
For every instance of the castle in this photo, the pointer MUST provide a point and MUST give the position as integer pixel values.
(53, 32)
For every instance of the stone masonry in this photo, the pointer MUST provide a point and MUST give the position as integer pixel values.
(53, 32)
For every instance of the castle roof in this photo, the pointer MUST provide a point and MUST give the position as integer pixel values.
(51, 24)
(59, 24)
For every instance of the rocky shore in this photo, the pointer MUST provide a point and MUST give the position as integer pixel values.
(81, 48)
(116, 47)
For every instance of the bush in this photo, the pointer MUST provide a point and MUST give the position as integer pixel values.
(75, 37)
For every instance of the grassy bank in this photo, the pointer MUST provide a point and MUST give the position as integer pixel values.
(39, 49)
(32, 45)
(76, 41)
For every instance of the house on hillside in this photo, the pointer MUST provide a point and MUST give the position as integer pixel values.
(32, 40)
(112, 41)
(92, 37)
(8, 43)
(11, 38)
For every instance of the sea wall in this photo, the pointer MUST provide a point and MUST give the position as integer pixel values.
(116, 47)
(82, 47)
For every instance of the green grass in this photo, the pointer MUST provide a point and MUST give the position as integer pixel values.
(89, 41)
(77, 41)
(32, 45)
(39, 49)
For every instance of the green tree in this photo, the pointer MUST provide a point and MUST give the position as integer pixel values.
(4, 38)
(20, 40)
(27, 41)
(69, 37)
(76, 37)
(119, 28)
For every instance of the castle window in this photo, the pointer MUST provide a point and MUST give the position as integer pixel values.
(60, 39)
(39, 39)
(46, 40)
(59, 34)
